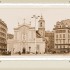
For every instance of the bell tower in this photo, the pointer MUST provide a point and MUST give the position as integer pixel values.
(41, 26)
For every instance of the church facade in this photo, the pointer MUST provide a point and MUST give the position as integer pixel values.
(29, 40)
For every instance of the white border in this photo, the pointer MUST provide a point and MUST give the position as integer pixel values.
(33, 58)
(10, 5)
(32, 4)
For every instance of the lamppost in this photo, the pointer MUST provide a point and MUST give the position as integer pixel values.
(35, 17)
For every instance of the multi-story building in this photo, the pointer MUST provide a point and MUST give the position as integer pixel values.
(3, 37)
(62, 36)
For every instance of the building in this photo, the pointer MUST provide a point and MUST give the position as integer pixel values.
(40, 34)
(10, 36)
(41, 27)
(3, 37)
(27, 39)
(62, 36)
(10, 42)
(24, 37)
(49, 36)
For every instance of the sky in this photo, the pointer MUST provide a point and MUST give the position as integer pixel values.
(14, 15)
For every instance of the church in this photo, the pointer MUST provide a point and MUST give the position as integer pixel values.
(28, 40)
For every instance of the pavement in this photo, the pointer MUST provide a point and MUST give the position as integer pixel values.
(65, 54)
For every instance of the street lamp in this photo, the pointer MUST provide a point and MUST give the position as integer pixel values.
(35, 17)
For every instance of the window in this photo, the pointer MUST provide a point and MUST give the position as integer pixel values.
(60, 31)
(69, 41)
(59, 47)
(63, 41)
(63, 35)
(57, 41)
(56, 36)
(64, 46)
(68, 35)
(60, 41)
(60, 36)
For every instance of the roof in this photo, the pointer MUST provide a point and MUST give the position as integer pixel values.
(62, 24)
(49, 33)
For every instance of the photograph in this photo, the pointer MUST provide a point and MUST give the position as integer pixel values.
(34, 30)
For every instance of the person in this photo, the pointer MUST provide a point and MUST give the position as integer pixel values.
(19, 53)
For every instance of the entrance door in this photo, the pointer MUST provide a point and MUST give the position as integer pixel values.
(24, 51)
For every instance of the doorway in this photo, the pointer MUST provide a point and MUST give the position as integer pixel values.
(24, 51)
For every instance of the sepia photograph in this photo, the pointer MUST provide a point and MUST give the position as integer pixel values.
(34, 30)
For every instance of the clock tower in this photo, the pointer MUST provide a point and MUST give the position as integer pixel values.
(41, 26)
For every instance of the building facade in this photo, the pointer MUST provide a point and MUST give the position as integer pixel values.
(3, 37)
(62, 36)
(24, 37)
(27, 39)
